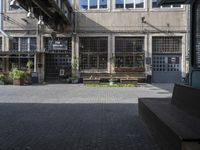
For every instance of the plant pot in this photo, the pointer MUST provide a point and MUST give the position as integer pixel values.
(29, 80)
(75, 81)
(18, 82)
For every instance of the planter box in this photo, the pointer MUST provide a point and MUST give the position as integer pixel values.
(126, 69)
(18, 82)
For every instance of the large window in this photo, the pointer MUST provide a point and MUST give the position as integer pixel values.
(93, 53)
(93, 4)
(167, 44)
(155, 5)
(129, 54)
(129, 4)
(23, 44)
(196, 35)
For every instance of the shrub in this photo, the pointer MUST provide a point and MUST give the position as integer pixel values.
(2, 77)
(17, 74)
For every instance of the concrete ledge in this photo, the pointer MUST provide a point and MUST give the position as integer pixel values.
(170, 126)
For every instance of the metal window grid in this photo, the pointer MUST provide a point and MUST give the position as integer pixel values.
(127, 52)
(93, 52)
(166, 44)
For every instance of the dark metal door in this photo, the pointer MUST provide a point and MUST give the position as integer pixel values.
(54, 63)
(166, 68)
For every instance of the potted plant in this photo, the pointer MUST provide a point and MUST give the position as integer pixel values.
(2, 78)
(18, 76)
(29, 66)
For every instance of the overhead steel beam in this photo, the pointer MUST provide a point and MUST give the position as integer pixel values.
(42, 7)
(53, 15)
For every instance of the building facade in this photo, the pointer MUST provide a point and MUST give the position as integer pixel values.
(122, 38)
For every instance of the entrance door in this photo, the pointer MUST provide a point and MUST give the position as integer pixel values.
(54, 63)
(166, 59)
(166, 68)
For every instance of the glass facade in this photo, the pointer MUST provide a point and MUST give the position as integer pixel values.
(129, 54)
(23, 44)
(83, 4)
(167, 44)
(129, 4)
(196, 35)
(155, 5)
(93, 4)
(93, 52)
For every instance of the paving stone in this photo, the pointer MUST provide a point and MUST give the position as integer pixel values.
(75, 117)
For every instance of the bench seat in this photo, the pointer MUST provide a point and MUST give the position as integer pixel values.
(173, 125)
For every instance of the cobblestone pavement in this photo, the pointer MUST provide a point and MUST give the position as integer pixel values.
(69, 93)
(75, 117)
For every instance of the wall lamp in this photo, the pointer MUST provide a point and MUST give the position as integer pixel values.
(14, 4)
(40, 21)
(30, 14)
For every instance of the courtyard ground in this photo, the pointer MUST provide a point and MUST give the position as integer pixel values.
(75, 117)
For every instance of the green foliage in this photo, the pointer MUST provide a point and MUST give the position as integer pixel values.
(2, 77)
(17, 74)
(113, 85)
(29, 66)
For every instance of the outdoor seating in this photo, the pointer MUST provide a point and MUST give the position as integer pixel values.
(174, 122)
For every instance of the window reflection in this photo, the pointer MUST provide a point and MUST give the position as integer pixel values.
(119, 4)
(84, 4)
(129, 4)
(102, 3)
(93, 4)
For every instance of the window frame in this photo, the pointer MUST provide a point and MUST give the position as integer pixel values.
(134, 5)
(18, 39)
(89, 53)
(93, 9)
(193, 58)
(134, 54)
(161, 8)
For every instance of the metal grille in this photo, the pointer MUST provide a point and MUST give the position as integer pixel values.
(166, 63)
(19, 62)
(93, 52)
(23, 44)
(129, 52)
(15, 44)
(167, 44)
(196, 53)
(33, 44)
(1, 44)
(1, 65)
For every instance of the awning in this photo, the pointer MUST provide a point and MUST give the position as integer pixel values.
(53, 16)
(165, 2)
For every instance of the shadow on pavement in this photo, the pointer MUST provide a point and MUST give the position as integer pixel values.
(73, 127)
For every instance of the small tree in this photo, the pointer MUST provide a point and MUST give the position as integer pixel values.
(29, 66)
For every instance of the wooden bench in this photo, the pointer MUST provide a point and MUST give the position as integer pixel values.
(129, 80)
(174, 122)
